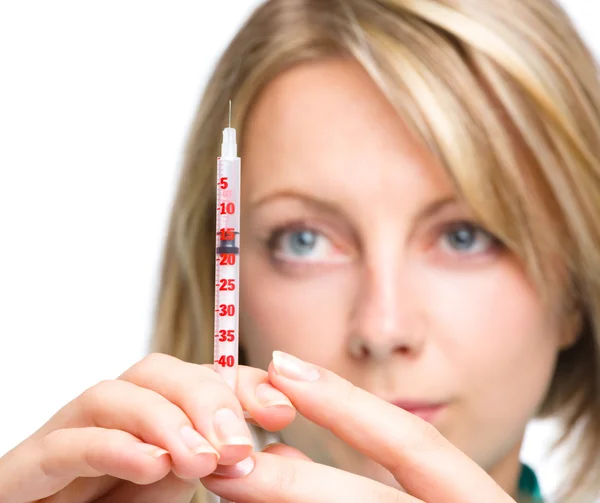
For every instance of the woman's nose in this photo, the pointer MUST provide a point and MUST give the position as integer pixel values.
(388, 319)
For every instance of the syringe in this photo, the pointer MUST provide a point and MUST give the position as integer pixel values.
(227, 259)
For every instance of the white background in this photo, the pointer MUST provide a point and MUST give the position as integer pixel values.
(96, 99)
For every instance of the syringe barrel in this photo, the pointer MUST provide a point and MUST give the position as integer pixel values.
(227, 268)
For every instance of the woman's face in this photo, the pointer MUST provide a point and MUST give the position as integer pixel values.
(358, 257)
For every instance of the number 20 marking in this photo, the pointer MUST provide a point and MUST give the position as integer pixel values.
(227, 259)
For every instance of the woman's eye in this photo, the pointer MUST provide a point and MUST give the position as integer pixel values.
(301, 245)
(467, 238)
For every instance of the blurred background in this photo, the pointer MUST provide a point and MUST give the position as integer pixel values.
(96, 99)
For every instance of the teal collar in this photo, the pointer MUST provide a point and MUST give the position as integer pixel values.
(529, 486)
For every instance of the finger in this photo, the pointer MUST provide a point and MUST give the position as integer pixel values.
(201, 392)
(289, 480)
(84, 489)
(267, 407)
(420, 458)
(211, 404)
(170, 489)
(178, 380)
(149, 416)
(45, 467)
(277, 449)
(287, 451)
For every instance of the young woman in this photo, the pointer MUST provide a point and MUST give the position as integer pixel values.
(420, 201)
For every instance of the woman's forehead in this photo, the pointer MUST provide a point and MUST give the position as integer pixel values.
(328, 94)
(326, 133)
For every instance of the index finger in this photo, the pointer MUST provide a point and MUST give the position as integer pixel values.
(423, 462)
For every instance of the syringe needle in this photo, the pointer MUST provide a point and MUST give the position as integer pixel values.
(229, 113)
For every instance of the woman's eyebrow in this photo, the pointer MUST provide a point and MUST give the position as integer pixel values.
(317, 204)
(427, 212)
(329, 207)
(432, 208)
(435, 207)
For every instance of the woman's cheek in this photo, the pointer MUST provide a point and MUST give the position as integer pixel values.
(302, 315)
(492, 328)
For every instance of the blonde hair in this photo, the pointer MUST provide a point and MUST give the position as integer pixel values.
(503, 92)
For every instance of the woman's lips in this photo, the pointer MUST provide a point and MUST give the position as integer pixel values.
(425, 410)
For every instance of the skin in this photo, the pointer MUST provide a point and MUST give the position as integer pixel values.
(383, 268)
(390, 305)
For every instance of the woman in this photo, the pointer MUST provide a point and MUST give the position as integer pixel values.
(419, 222)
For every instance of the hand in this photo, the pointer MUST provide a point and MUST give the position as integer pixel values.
(423, 462)
(147, 436)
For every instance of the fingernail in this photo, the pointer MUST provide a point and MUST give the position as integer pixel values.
(236, 471)
(151, 450)
(196, 443)
(249, 419)
(291, 367)
(268, 446)
(268, 396)
(231, 430)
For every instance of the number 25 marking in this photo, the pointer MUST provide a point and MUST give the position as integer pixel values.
(227, 285)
